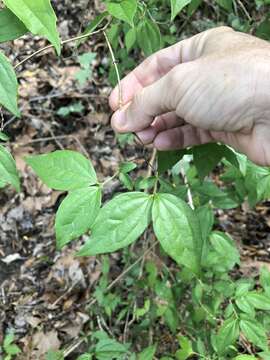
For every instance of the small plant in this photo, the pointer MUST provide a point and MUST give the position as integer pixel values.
(11, 350)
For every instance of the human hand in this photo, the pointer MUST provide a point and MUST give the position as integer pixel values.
(213, 87)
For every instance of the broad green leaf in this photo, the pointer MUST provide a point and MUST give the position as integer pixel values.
(38, 16)
(167, 159)
(226, 4)
(108, 349)
(178, 231)
(193, 6)
(8, 171)
(254, 332)
(148, 37)
(11, 27)
(206, 157)
(245, 357)
(245, 306)
(258, 300)
(148, 353)
(186, 349)
(177, 6)
(76, 214)
(263, 30)
(93, 25)
(119, 223)
(227, 335)
(8, 86)
(63, 170)
(226, 254)
(130, 38)
(265, 279)
(124, 10)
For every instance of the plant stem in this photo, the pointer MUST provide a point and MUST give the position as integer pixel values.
(76, 38)
(120, 93)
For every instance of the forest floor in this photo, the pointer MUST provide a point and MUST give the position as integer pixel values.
(46, 295)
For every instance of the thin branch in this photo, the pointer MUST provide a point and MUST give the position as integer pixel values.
(120, 93)
(76, 38)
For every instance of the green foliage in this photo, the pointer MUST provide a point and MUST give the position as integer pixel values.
(8, 86)
(63, 170)
(11, 350)
(8, 172)
(38, 17)
(11, 27)
(126, 218)
(170, 214)
(177, 6)
(76, 214)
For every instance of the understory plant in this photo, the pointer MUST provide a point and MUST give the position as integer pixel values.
(211, 313)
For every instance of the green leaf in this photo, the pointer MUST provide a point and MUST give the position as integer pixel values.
(186, 349)
(126, 181)
(3, 136)
(63, 170)
(93, 25)
(76, 214)
(13, 349)
(263, 30)
(108, 349)
(119, 223)
(38, 16)
(193, 6)
(148, 36)
(148, 353)
(127, 167)
(206, 157)
(130, 38)
(227, 254)
(8, 86)
(177, 6)
(245, 357)
(8, 340)
(258, 300)
(167, 159)
(254, 332)
(225, 4)
(54, 355)
(265, 279)
(177, 229)
(8, 171)
(227, 335)
(124, 10)
(11, 27)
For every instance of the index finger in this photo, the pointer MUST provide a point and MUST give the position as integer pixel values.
(149, 71)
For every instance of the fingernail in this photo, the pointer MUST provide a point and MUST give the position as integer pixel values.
(119, 119)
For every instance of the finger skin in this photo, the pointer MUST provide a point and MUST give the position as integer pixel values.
(161, 97)
(160, 63)
(160, 124)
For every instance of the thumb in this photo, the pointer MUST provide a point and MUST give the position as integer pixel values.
(159, 98)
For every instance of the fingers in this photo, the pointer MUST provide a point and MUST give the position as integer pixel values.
(160, 63)
(161, 123)
(181, 137)
(161, 97)
(152, 69)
